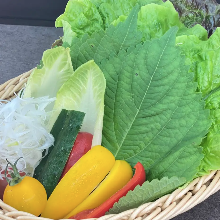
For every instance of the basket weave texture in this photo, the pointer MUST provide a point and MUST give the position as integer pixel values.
(164, 208)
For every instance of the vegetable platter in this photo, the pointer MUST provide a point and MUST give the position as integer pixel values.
(120, 119)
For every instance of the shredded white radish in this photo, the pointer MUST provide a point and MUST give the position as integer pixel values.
(23, 132)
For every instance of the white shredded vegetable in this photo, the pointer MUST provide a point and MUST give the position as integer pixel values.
(23, 132)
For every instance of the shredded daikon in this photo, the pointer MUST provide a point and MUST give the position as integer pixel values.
(23, 132)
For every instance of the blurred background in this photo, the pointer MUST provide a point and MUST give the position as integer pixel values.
(26, 12)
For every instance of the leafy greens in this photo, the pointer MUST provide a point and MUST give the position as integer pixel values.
(205, 12)
(84, 91)
(154, 19)
(148, 82)
(152, 113)
(148, 192)
(56, 68)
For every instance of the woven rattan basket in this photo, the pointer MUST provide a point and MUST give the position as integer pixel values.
(164, 208)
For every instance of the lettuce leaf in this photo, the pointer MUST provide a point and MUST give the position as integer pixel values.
(204, 58)
(148, 192)
(82, 15)
(154, 19)
(205, 13)
(84, 91)
(68, 34)
(56, 68)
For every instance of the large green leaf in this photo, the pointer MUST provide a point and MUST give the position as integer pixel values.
(152, 113)
(148, 192)
(103, 44)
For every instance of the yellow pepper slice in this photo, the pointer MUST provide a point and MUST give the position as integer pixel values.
(79, 182)
(118, 177)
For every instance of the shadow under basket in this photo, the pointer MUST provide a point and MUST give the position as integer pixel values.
(164, 208)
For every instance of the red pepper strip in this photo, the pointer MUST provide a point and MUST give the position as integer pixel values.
(138, 179)
(81, 146)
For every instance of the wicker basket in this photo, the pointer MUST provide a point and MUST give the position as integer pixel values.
(164, 208)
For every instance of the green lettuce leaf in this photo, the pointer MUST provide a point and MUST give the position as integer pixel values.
(154, 19)
(82, 15)
(204, 58)
(68, 34)
(84, 91)
(205, 13)
(148, 192)
(56, 68)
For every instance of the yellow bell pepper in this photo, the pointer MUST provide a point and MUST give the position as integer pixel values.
(118, 177)
(79, 182)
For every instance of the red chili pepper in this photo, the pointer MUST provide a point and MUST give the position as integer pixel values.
(81, 146)
(138, 179)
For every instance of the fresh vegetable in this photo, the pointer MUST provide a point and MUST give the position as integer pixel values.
(82, 16)
(84, 91)
(150, 94)
(25, 193)
(4, 183)
(117, 178)
(64, 131)
(79, 182)
(138, 179)
(55, 69)
(151, 116)
(81, 146)
(149, 191)
(203, 58)
(154, 19)
(23, 132)
(205, 13)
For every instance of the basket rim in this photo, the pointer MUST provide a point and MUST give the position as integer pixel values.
(164, 208)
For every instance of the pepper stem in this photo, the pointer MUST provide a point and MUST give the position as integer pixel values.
(15, 175)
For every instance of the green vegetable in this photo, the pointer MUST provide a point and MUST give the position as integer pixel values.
(56, 68)
(148, 192)
(83, 17)
(154, 18)
(84, 91)
(203, 58)
(155, 117)
(159, 81)
(64, 131)
(160, 135)
(68, 34)
(103, 44)
(205, 13)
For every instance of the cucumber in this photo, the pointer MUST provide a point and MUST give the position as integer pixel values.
(65, 130)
